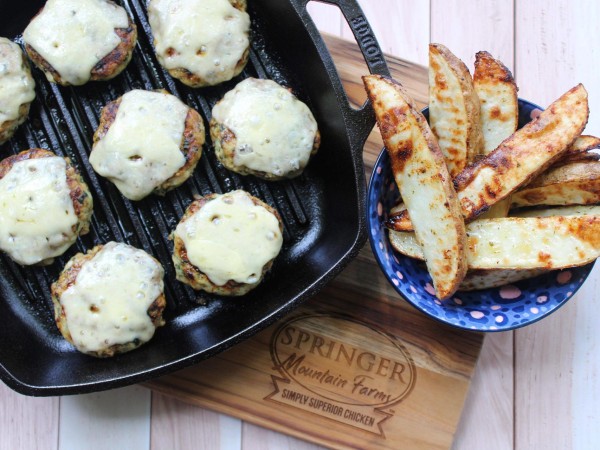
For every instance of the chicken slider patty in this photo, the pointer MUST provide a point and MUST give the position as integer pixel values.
(44, 206)
(75, 41)
(201, 42)
(260, 128)
(109, 300)
(224, 244)
(147, 142)
(17, 88)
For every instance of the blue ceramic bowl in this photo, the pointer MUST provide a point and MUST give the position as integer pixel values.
(496, 309)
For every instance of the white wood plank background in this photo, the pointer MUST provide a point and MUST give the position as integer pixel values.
(536, 388)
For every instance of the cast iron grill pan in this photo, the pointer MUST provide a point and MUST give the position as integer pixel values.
(322, 210)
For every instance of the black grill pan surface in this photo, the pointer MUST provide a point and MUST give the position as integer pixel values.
(323, 210)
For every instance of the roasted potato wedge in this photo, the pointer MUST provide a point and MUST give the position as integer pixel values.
(453, 109)
(525, 154)
(583, 143)
(519, 243)
(406, 244)
(490, 278)
(497, 91)
(575, 210)
(423, 181)
(576, 183)
(569, 158)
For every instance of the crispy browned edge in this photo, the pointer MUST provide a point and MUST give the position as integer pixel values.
(225, 143)
(488, 68)
(582, 144)
(398, 156)
(191, 142)
(190, 79)
(8, 128)
(189, 274)
(68, 277)
(570, 158)
(474, 133)
(78, 189)
(107, 68)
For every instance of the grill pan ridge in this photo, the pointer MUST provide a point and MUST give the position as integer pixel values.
(322, 210)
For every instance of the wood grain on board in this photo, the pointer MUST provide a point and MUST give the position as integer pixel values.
(356, 366)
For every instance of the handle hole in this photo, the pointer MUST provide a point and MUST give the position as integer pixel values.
(331, 23)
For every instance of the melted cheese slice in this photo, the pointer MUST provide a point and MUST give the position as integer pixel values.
(206, 37)
(141, 149)
(108, 303)
(231, 238)
(75, 35)
(16, 84)
(37, 217)
(275, 131)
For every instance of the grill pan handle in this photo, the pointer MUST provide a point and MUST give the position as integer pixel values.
(365, 38)
(359, 121)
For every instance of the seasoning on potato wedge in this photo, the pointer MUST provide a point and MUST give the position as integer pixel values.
(423, 180)
(453, 109)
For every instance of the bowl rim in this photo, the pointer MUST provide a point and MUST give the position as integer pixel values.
(378, 254)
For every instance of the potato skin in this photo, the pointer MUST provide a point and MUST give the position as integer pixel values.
(189, 274)
(107, 68)
(191, 142)
(572, 183)
(79, 191)
(68, 277)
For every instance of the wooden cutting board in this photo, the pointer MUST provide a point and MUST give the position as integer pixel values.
(354, 367)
